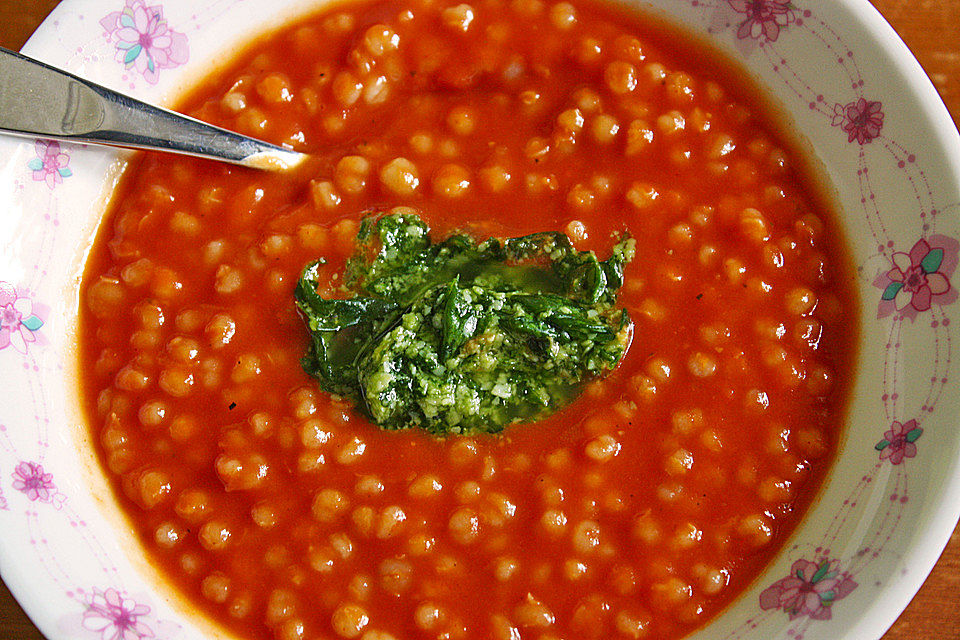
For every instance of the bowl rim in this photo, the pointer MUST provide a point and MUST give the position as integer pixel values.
(926, 548)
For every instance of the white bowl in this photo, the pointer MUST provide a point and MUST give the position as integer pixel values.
(848, 83)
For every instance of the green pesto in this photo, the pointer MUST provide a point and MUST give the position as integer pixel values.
(459, 336)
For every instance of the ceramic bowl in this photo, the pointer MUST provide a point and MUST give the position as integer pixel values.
(840, 74)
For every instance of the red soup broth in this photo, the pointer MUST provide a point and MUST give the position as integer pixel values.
(640, 510)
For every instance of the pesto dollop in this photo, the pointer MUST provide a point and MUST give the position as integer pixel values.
(458, 336)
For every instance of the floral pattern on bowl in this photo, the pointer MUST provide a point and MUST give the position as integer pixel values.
(18, 322)
(51, 165)
(144, 41)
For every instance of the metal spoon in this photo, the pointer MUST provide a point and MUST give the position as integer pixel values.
(38, 100)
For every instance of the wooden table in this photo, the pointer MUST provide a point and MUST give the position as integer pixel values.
(931, 28)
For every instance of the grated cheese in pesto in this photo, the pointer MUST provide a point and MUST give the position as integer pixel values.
(457, 336)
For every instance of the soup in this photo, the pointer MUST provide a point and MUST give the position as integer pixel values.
(641, 507)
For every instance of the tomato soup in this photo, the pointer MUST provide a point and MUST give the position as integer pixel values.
(639, 510)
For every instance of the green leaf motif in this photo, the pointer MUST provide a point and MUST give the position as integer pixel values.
(33, 323)
(883, 444)
(892, 290)
(932, 261)
(35, 165)
(132, 54)
(65, 172)
(821, 572)
(914, 434)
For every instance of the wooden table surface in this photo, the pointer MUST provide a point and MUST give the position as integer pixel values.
(931, 28)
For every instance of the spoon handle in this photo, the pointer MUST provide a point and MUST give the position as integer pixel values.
(39, 100)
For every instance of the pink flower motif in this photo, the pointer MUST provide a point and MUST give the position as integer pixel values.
(917, 279)
(144, 41)
(862, 120)
(810, 590)
(29, 479)
(50, 165)
(18, 323)
(898, 442)
(764, 18)
(116, 617)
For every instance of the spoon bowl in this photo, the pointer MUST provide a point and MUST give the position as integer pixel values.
(38, 100)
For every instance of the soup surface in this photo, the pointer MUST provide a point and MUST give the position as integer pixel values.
(637, 511)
